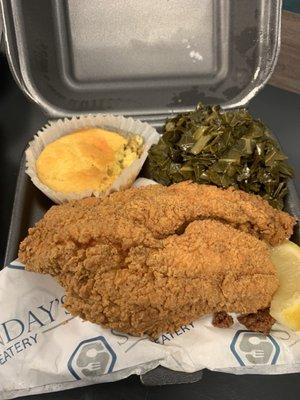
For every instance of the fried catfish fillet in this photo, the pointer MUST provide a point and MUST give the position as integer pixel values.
(148, 260)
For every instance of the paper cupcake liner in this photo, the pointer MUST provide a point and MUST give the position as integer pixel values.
(56, 129)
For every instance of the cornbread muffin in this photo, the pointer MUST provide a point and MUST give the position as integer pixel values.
(89, 159)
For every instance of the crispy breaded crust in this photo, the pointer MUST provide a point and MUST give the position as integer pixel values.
(149, 260)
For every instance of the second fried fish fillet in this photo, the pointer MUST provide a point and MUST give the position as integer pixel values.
(149, 260)
(210, 267)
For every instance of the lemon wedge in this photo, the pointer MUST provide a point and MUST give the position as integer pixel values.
(285, 306)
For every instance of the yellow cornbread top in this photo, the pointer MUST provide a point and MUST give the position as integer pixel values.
(89, 159)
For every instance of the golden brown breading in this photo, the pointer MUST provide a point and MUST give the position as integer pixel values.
(211, 267)
(149, 260)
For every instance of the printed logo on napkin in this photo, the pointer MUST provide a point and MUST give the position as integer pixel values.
(92, 357)
(251, 348)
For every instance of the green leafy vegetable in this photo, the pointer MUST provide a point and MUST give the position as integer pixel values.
(223, 148)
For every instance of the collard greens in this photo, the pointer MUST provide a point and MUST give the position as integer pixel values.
(223, 148)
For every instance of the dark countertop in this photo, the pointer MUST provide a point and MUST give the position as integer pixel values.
(19, 120)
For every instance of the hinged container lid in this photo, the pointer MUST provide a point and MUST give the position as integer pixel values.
(141, 58)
